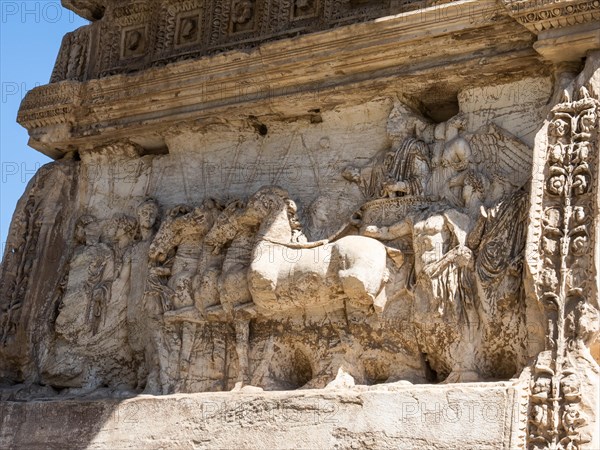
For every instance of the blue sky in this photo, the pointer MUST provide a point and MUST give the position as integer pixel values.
(30, 36)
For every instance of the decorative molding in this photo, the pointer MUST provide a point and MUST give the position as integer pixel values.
(125, 40)
(51, 104)
(144, 34)
(319, 67)
(539, 16)
(567, 29)
(72, 61)
(565, 272)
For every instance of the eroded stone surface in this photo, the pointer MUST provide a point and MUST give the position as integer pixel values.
(429, 206)
(398, 417)
(412, 226)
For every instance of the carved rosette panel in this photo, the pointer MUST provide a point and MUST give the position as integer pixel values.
(566, 277)
(302, 9)
(182, 28)
(126, 38)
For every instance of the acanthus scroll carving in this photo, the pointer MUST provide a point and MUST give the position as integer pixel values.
(558, 419)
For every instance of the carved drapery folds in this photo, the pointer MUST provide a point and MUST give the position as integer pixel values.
(196, 303)
(436, 244)
(566, 281)
(32, 275)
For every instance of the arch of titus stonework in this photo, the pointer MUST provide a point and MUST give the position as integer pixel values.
(310, 224)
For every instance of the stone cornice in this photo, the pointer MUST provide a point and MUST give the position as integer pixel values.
(539, 16)
(470, 41)
(566, 29)
(136, 35)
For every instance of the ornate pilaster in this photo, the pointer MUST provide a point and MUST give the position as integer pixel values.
(563, 402)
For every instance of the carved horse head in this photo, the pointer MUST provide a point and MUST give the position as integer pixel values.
(184, 224)
(226, 227)
(272, 209)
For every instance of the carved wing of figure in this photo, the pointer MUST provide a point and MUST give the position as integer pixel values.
(502, 157)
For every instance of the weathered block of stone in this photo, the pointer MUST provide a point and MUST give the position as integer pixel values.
(451, 416)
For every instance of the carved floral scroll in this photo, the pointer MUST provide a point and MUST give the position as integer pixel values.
(566, 283)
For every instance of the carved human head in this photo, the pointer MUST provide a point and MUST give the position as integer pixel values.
(455, 126)
(439, 132)
(121, 229)
(403, 123)
(147, 213)
(351, 174)
(318, 211)
(87, 231)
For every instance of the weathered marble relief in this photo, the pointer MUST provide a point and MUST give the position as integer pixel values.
(564, 401)
(408, 227)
